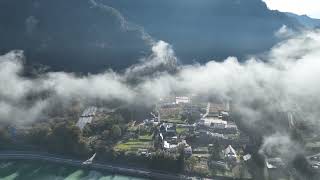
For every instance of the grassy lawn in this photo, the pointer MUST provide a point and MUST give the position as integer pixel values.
(143, 142)
(132, 128)
(146, 138)
(180, 130)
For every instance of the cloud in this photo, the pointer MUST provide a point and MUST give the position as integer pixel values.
(284, 32)
(162, 59)
(309, 7)
(280, 145)
(14, 89)
(13, 86)
(286, 78)
(263, 90)
(25, 99)
(125, 25)
(103, 86)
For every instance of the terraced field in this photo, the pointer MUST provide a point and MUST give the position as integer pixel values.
(143, 142)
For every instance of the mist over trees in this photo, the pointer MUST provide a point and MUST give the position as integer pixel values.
(91, 36)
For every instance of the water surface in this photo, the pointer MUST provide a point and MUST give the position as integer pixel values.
(31, 170)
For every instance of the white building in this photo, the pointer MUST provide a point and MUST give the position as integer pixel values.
(213, 122)
(182, 100)
(170, 147)
(188, 151)
(229, 152)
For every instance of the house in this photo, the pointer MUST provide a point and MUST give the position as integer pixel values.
(144, 152)
(188, 151)
(170, 147)
(201, 150)
(172, 139)
(182, 100)
(216, 136)
(224, 115)
(231, 128)
(230, 152)
(231, 156)
(275, 169)
(274, 163)
(151, 122)
(218, 165)
(168, 129)
(247, 157)
(213, 122)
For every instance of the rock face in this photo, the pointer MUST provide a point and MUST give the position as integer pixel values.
(92, 35)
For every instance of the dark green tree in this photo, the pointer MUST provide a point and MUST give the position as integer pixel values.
(38, 135)
(216, 151)
(116, 132)
(66, 138)
(4, 137)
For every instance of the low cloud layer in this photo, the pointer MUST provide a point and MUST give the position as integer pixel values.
(285, 77)
(263, 90)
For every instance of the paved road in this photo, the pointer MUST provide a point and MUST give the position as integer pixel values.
(21, 155)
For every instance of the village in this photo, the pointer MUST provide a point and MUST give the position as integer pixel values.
(207, 134)
(203, 132)
(181, 135)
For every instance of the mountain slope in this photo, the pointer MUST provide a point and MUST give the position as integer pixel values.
(72, 35)
(306, 20)
(92, 35)
(207, 29)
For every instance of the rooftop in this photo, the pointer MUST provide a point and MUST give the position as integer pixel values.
(212, 121)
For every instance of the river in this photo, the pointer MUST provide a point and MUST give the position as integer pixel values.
(29, 170)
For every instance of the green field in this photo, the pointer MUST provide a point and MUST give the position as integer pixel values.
(181, 130)
(143, 142)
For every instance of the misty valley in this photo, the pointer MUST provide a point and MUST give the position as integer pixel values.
(145, 89)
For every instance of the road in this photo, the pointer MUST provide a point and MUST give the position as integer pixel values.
(207, 110)
(132, 171)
